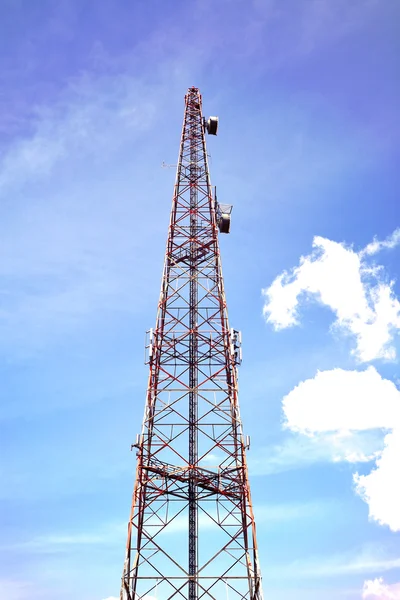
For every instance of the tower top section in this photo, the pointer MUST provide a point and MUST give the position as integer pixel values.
(193, 96)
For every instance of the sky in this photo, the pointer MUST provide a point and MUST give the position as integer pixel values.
(91, 106)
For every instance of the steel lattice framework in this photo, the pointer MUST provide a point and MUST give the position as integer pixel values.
(191, 533)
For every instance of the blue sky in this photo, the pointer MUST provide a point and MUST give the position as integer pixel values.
(307, 93)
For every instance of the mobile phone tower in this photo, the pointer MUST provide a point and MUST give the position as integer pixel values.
(191, 532)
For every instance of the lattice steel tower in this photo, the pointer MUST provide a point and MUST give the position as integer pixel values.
(191, 533)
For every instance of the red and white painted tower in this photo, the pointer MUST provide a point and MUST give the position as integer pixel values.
(191, 532)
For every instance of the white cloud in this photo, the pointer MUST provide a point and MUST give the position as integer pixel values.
(333, 406)
(338, 409)
(340, 400)
(111, 598)
(380, 489)
(376, 246)
(334, 275)
(376, 589)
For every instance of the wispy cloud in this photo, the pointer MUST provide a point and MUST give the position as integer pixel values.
(108, 534)
(300, 452)
(376, 246)
(368, 560)
(16, 589)
(324, 21)
(69, 239)
(318, 23)
(276, 514)
(113, 534)
(94, 117)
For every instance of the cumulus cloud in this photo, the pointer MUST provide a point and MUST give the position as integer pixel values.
(336, 405)
(340, 400)
(380, 489)
(376, 589)
(336, 276)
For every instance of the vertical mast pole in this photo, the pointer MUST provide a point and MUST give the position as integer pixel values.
(193, 114)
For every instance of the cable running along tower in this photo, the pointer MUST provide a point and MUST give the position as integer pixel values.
(191, 533)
